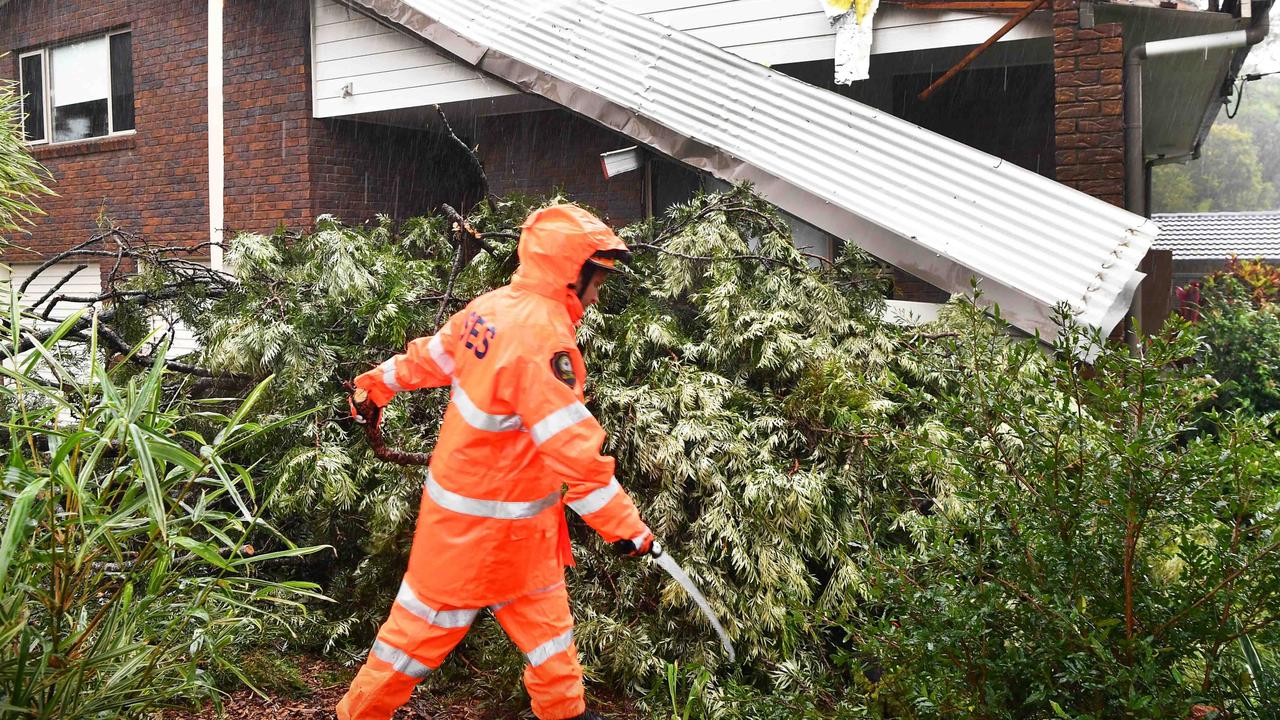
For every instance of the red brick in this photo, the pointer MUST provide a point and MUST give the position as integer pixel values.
(1102, 155)
(1076, 110)
(1090, 140)
(1100, 62)
(1113, 76)
(1066, 64)
(1101, 187)
(1107, 30)
(1064, 127)
(1111, 107)
(1100, 124)
(1111, 45)
(1076, 47)
(1100, 92)
(1079, 79)
(1064, 95)
(1069, 173)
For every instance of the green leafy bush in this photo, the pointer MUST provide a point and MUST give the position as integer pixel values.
(126, 569)
(1084, 551)
(1240, 322)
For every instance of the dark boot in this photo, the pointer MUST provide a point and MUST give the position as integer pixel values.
(588, 715)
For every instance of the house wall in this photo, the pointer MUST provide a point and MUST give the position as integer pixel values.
(267, 116)
(154, 181)
(282, 164)
(1088, 65)
(545, 151)
(383, 69)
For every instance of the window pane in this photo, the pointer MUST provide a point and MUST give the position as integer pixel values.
(80, 84)
(121, 82)
(33, 97)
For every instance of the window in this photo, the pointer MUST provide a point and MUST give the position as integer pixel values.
(78, 90)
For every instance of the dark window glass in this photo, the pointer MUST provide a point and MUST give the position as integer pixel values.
(33, 97)
(80, 120)
(121, 82)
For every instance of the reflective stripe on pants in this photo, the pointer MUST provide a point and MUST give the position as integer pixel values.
(415, 639)
(541, 625)
(420, 634)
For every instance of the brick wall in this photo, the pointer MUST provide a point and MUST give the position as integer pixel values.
(360, 170)
(153, 182)
(281, 165)
(1088, 65)
(266, 101)
(544, 151)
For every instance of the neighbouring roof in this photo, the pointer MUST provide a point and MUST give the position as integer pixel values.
(934, 207)
(1218, 236)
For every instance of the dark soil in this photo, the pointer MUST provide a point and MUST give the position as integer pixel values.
(319, 684)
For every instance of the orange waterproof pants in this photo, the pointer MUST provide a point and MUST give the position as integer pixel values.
(419, 635)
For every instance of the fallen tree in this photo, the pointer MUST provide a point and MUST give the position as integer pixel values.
(942, 522)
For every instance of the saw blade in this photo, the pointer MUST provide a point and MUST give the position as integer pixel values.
(677, 573)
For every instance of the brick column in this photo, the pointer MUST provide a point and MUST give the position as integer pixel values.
(1088, 69)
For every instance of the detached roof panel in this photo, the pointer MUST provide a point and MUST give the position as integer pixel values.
(1218, 236)
(932, 206)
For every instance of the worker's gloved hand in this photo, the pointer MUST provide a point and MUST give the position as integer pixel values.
(363, 410)
(630, 549)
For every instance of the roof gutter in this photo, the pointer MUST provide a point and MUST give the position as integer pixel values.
(1136, 166)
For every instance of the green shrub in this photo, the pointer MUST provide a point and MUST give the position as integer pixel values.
(1240, 322)
(1084, 552)
(126, 564)
(21, 177)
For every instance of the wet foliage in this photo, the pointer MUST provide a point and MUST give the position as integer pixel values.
(931, 522)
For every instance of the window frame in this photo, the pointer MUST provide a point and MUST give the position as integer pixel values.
(46, 77)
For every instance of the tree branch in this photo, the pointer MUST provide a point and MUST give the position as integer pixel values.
(471, 153)
(58, 285)
(122, 346)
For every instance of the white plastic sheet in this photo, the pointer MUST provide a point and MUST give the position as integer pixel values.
(853, 37)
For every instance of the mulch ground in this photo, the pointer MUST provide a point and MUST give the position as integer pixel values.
(325, 683)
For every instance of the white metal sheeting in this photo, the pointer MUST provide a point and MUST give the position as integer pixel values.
(932, 206)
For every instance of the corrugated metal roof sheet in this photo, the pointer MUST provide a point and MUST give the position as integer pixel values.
(932, 206)
(1218, 236)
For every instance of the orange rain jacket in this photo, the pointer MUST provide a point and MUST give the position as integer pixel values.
(516, 431)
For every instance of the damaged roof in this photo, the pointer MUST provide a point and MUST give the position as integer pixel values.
(1218, 236)
(934, 207)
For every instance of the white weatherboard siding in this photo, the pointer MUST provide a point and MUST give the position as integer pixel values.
(86, 282)
(363, 66)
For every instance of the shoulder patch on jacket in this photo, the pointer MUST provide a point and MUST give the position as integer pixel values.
(562, 366)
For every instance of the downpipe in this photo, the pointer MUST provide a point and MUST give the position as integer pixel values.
(1135, 165)
(1136, 191)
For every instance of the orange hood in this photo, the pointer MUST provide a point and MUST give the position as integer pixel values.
(555, 242)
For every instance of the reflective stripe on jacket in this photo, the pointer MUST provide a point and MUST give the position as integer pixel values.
(516, 431)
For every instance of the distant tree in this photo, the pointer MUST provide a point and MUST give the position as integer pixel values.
(1228, 176)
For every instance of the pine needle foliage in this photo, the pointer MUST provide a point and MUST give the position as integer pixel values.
(942, 522)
